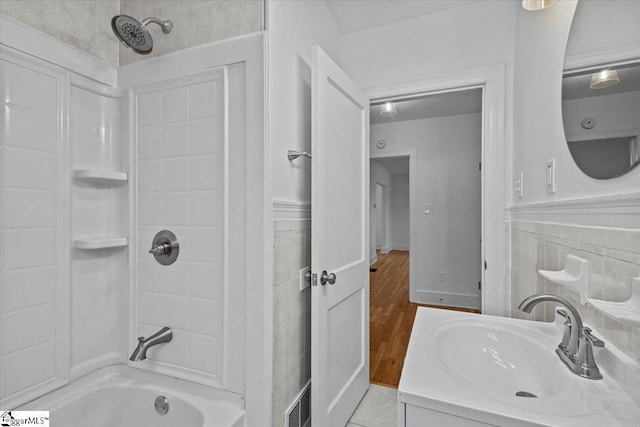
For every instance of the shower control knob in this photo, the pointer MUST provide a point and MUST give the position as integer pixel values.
(165, 247)
(161, 249)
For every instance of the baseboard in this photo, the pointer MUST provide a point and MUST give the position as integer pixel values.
(449, 299)
(399, 248)
(373, 259)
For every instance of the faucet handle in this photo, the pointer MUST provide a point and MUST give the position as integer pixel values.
(566, 334)
(592, 338)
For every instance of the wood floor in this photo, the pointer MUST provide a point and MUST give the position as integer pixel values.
(391, 317)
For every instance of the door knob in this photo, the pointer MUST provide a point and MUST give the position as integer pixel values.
(327, 277)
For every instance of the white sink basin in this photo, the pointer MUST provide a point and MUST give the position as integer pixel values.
(498, 359)
(471, 366)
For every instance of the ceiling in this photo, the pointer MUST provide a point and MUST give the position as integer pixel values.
(577, 86)
(439, 105)
(357, 15)
(394, 166)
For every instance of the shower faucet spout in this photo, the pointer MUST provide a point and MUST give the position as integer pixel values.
(162, 336)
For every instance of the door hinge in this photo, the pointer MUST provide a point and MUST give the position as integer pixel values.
(479, 285)
(480, 166)
(485, 265)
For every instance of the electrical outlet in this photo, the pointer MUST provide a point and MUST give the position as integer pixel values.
(443, 276)
(304, 283)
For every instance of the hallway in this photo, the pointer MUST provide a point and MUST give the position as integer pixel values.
(391, 317)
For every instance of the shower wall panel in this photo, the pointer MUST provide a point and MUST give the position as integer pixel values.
(99, 210)
(34, 335)
(181, 180)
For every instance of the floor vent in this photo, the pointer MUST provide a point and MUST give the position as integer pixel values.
(299, 413)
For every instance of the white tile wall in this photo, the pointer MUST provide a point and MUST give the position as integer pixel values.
(28, 228)
(180, 189)
(614, 259)
(291, 312)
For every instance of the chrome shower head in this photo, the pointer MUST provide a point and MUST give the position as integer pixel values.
(134, 34)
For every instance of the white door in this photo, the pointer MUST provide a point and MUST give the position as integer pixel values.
(339, 244)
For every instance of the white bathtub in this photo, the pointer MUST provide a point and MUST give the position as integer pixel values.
(122, 396)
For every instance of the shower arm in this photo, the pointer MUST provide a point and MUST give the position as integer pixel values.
(167, 25)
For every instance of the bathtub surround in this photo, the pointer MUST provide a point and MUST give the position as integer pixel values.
(98, 123)
(291, 306)
(207, 105)
(614, 260)
(86, 24)
(77, 184)
(34, 252)
(181, 150)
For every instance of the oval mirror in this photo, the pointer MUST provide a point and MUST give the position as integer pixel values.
(601, 88)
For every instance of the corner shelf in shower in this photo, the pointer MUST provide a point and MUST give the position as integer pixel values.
(100, 242)
(100, 176)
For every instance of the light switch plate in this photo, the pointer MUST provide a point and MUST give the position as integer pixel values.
(519, 187)
(551, 176)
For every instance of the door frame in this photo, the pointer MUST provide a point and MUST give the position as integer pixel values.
(383, 202)
(412, 154)
(495, 181)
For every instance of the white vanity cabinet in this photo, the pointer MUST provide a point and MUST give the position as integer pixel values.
(464, 369)
(415, 416)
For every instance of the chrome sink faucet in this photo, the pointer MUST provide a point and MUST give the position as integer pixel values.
(576, 348)
(162, 336)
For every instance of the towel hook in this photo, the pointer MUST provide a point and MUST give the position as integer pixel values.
(293, 154)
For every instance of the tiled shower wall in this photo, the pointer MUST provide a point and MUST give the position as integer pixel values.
(291, 312)
(180, 188)
(614, 259)
(86, 24)
(32, 262)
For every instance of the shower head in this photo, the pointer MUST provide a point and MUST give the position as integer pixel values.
(134, 34)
